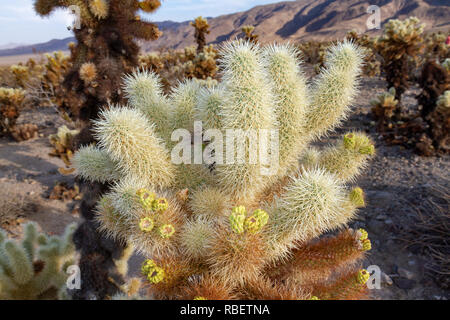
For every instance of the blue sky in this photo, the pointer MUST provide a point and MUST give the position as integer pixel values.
(19, 23)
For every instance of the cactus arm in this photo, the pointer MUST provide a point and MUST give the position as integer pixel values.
(94, 164)
(346, 160)
(334, 89)
(132, 142)
(290, 89)
(144, 91)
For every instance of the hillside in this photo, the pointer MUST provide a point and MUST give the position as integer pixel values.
(307, 19)
(288, 21)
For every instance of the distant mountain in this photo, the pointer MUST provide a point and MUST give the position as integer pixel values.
(286, 21)
(50, 46)
(11, 45)
(306, 19)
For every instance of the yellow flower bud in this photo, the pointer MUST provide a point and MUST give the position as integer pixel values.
(146, 224)
(166, 231)
(366, 245)
(363, 276)
(146, 198)
(357, 197)
(237, 218)
(160, 204)
(363, 235)
(251, 224)
(156, 275)
(349, 141)
(262, 216)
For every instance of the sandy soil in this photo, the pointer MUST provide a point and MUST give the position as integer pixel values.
(396, 184)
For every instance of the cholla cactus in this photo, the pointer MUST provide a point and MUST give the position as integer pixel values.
(227, 230)
(109, 54)
(203, 65)
(446, 65)
(440, 123)
(249, 35)
(62, 143)
(436, 47)
(35, 267)
(383, 107)
(401, 41)
(11, 102)
(201, 30)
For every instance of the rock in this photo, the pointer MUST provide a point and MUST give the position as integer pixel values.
(404, 283)
(405, 273)
(386, 279)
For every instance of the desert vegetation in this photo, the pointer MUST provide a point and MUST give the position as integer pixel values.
(218, 231)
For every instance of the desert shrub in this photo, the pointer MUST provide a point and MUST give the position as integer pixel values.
(14, 204)
(34, 268)
(430, 234)
(224, 231)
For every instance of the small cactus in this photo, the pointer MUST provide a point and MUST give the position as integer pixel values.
(35, 267)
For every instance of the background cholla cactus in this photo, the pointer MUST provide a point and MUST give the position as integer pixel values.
(401, 41)
(249, 35)
(383, 108)
(62, 142)
(105, 45)
(439, 121)
(436, 47)
(434, 81)
(55, 69)
(202, 65)
(314, 53)
(107, 39)
(201, 30)
(228, 231)
(11, 103)
(35, 267)
(175, 66)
